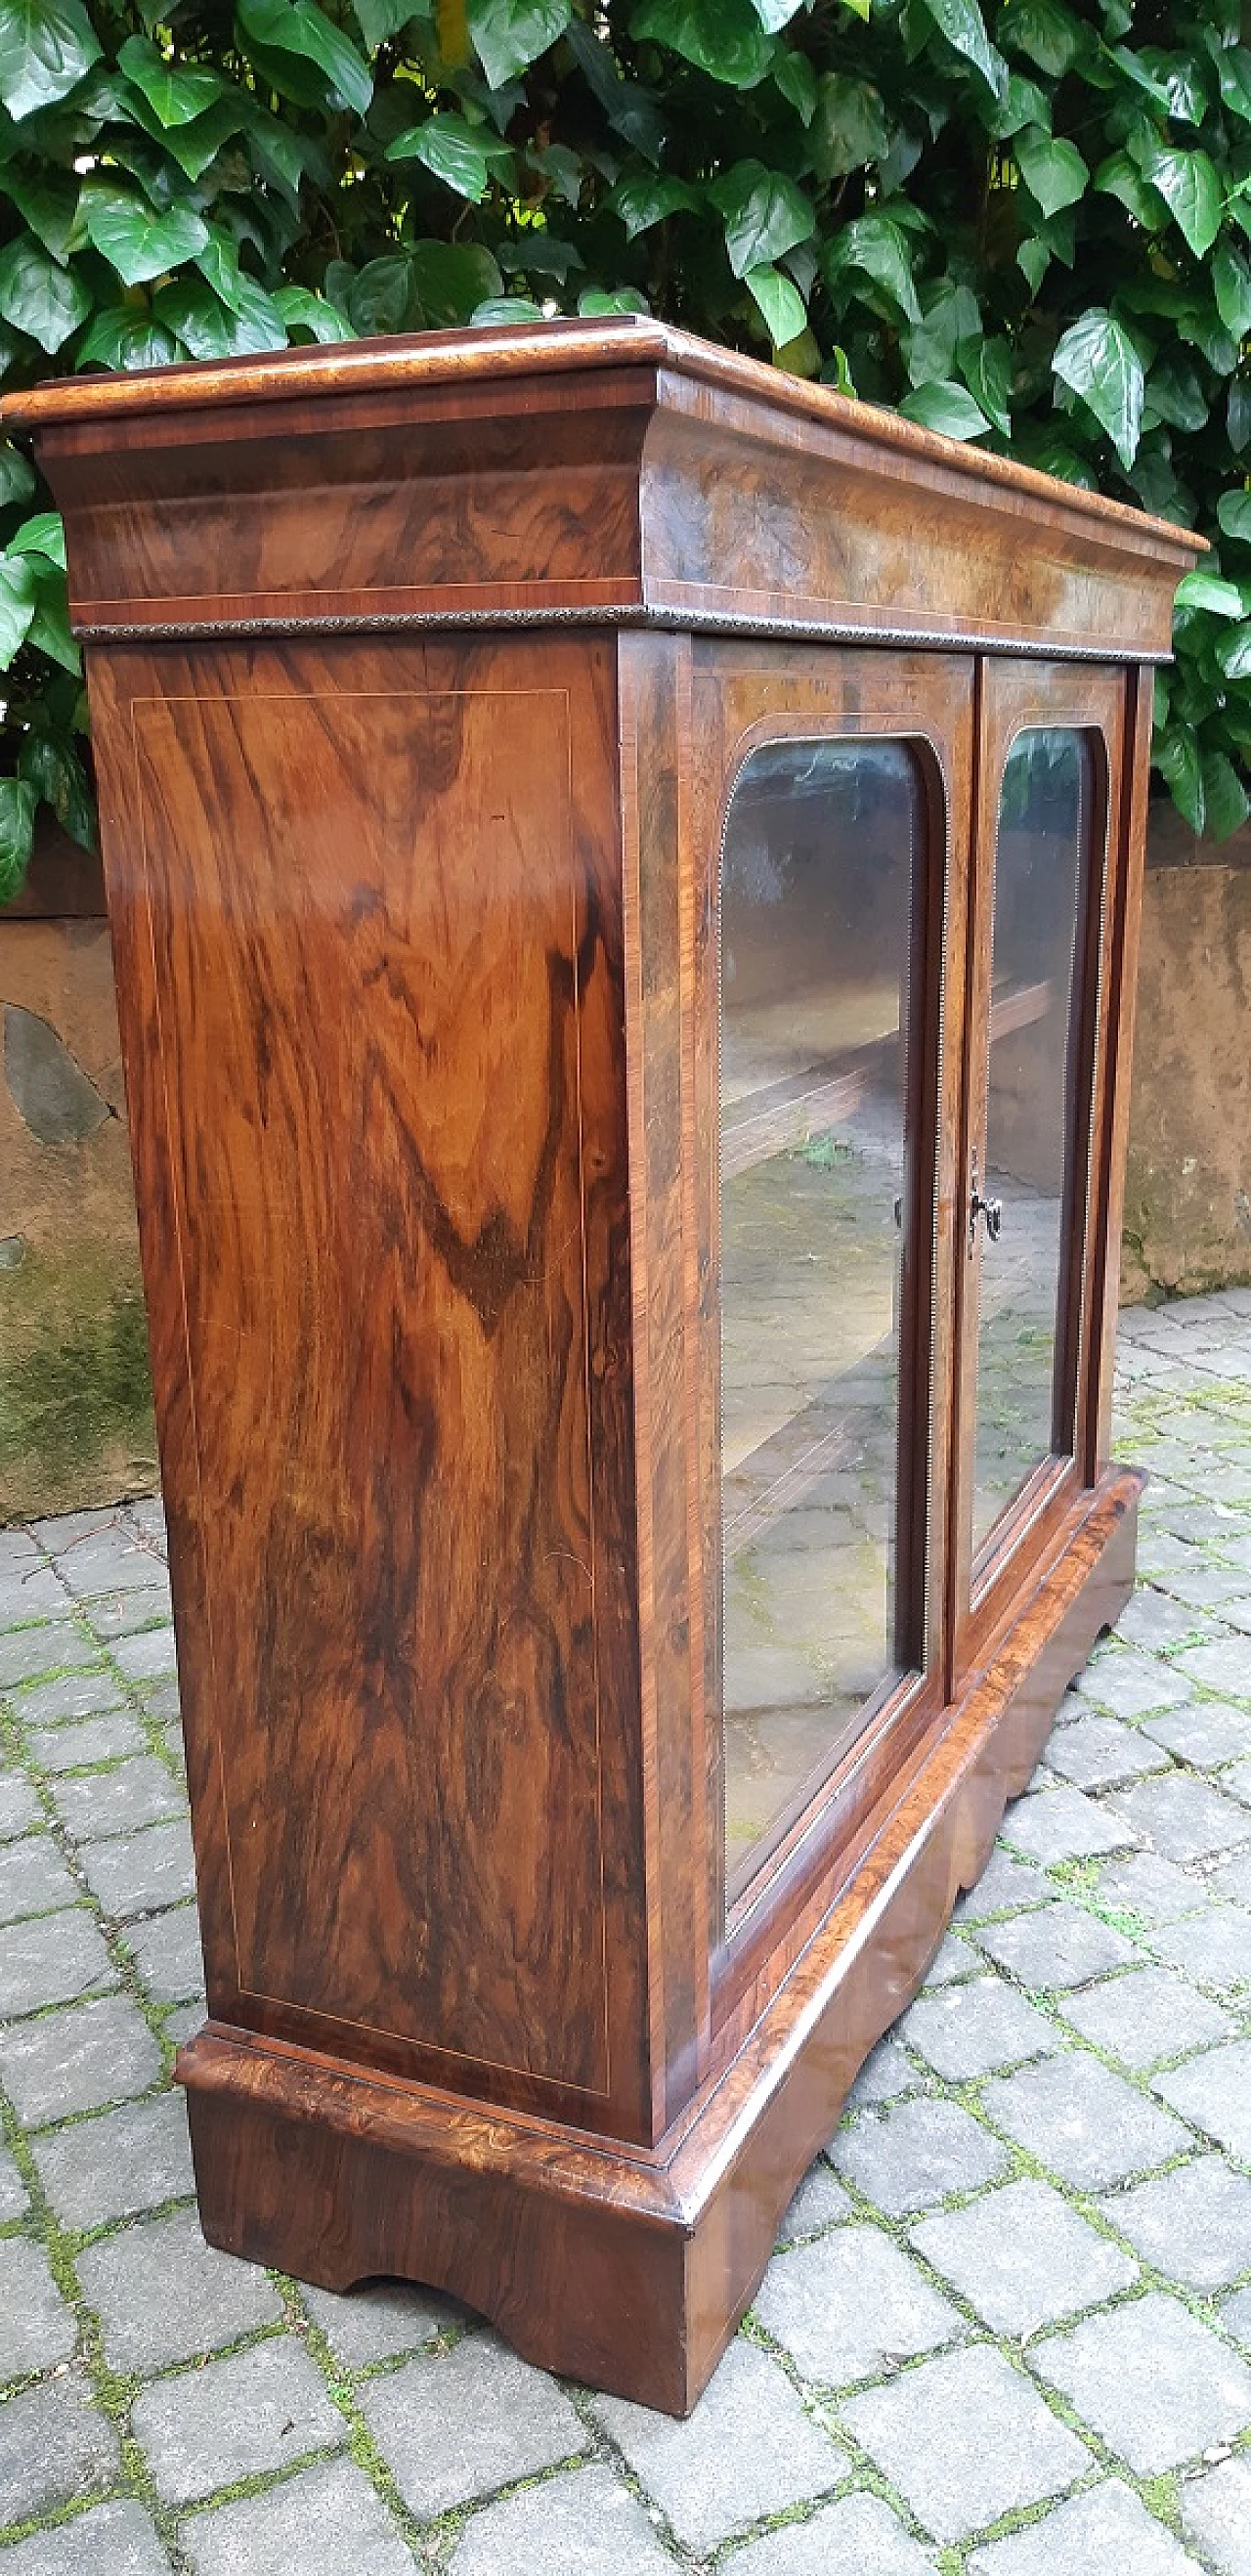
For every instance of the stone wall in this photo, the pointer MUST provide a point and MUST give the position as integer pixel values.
(1188, 1184)
(75, 1399)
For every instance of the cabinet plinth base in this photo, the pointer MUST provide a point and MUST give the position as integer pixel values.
(624, 2267)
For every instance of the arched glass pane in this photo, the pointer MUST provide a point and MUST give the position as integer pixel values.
(1032, 1124)
(821, 854)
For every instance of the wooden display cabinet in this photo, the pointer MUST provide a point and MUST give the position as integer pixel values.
(624, 872)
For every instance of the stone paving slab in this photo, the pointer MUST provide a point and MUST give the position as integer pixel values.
(1038, 2197)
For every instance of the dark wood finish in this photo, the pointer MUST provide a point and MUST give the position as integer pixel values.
(415, 920)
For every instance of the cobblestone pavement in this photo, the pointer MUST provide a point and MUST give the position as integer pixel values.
(1007, 2330)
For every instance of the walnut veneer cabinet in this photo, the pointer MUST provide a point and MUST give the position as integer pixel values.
(624, 872)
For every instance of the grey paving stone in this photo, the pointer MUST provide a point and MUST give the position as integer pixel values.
(1214, 2092)
(917, 2153)
(54, 2444)
(1184, 1818)
(1224, 1666)
(328, 2519)
(108, 2540)
(1207, 1587)
(19, 1806)
(108, 1560)
(748, 2450)
(1087, 2124)
(1063, 1947)
(887, 2073)
(146, 1656)
(163, 2295)
(36, 2326)
(135, 1873)
(167, 1952)
(1216, 2512)
(120, 1614)
(1193, 2224)
(233, 2418)
(1098, 1752)
(1215, 1948)
(1206, 1733)
(1145, 2017)
(77, 2059)
(858, 2536)
(137, 1793)
(161, 1699)
(1236, 2317)
(34, 1879)
(1005, 1887)
(584, 2525)
(953, 1958)
(472, 2420)
(379, 2321)
(852, 2303)
(17, 1548)
(74, 1748)
(147, 1517)
(70, 1698)
(1064, 1824)
(1156, 1890)
(119, 2164)
(1232, 1878)
(1237, 1779)
(1022, 2257)
(1151, 1620)
(13, 2195)
(54, 1645)
(819, 2202)
(51, 1961)
(30, 1589)
(965, 2439)
(1107, 2530)
(1132, 1684)
(1154, 2383)
(975, 2028)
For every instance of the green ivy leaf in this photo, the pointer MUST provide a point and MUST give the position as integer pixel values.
(17, 606)
(644, 198)
(50, 206)
(850, 128)
(1177, 759)
(42, 535)
(379, 20)
(1233, 652)
(55, 772)
(599, 300)
(1231, 285)
(38, 296)
(765, 214)
(1175, 393)
(379, 300)
(50, 627)
(17, 830)
(177, 92)
(779, 301)
(986, 366)
(300, 310)
(946, 407)
(298, 27)
(136, 242)
(1233, 511)
(463, 156)
(775, 14)
(1234, 74)
(1121, 178)
(794, 76)
(452, 279)
(964, 27)
(1053, 169)
(1050, 35)
(1097, 359)
(1188, 183)
(509, 35)
(123, 336)
(505, 308)
(45, 48)
(721, 37)
(1023, 103)
(17, 480)
(1226, 803)
(1206, 590)
(878, 245)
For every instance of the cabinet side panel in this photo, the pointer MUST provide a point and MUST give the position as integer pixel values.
(362, 960)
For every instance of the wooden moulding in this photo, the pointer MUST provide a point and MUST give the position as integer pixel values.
(624, 2268)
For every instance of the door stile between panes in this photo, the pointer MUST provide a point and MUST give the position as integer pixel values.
(742, 700)
(1025, 707)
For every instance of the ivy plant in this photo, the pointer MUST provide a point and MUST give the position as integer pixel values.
(1020, 222)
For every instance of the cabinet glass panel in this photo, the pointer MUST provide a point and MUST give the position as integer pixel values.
(821, 854)
(1035, 1127)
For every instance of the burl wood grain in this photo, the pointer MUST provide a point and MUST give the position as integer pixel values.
(377, 923)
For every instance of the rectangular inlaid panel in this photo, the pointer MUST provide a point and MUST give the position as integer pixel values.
(366, 910)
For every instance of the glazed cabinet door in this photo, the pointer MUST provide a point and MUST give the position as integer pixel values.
(832, 804)
(1049, 770)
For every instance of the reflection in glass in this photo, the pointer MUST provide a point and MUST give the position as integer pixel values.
(816, 911)
(1022, 1411)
